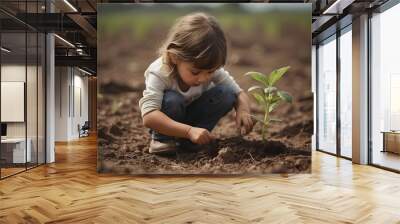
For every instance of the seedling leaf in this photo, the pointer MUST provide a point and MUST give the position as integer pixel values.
(260, 99)
(275, 119)
(273, 106)
(258, 119)
(269, 89)
(258, 77)
(285, 96)
(277, 74)
(255, 88)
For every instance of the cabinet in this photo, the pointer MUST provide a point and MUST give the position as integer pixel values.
(13, 150)
(391, 141)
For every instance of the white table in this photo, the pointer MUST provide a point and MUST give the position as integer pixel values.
(18, 150)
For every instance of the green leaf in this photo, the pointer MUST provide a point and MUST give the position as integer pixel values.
(255, 88)
(260, 99)
(258, 77)
(275, 119)
(272, 106)
(285, 96)
(277, 74)
(269, 89)
(275, 99)
(258, 119)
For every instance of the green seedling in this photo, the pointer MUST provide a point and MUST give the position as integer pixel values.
(267, 95)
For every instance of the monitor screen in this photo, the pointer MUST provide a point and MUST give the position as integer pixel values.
(3, 129)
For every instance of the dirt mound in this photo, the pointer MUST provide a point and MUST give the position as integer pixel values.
(232, 158)
(124, 142)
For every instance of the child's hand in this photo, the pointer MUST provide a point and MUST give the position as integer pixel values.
(244, 123)
(200, 135)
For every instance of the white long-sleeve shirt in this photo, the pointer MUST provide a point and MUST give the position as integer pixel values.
(158, 80)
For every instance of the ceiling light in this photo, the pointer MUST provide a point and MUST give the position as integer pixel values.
(80, 51)
(330, 8)
(71, 6)
(84, 71)
(338, 6)
(5, 49)
(65, 41)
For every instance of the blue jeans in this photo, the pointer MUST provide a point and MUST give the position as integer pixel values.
(204, 112)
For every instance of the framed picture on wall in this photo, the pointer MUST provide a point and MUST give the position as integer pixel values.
(174, 97)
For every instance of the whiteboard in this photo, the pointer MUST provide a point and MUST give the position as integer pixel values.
(12, 101)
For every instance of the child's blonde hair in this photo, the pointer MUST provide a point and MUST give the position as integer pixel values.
(196, 38)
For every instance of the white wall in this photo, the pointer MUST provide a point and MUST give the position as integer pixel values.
(62, 81)
(70, 83)
(11, 73)
(82, 82)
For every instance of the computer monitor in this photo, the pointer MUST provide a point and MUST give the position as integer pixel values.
(3, 129)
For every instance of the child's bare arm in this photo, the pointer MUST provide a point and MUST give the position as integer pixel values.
(161, 123)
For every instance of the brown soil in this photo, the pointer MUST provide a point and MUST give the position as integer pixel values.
(124, 142)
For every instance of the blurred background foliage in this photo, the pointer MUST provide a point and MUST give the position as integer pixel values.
(261, 37)
(141, 19)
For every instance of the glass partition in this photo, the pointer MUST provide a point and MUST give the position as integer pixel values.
(22, 78)
(326, 90)
(385, 89)
(346, 92)
(14, 151)
(31, 99)
(41, 110)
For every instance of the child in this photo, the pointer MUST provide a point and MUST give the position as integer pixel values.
(188, 90)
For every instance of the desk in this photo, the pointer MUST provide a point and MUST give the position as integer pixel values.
(13, 150)
(391, 141)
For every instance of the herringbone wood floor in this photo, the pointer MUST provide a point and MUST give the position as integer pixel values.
(70, 191)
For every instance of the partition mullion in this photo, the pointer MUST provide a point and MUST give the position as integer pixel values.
(338, 94)
(317, 96)
(1, 163)
(26, 87)
(37, 94)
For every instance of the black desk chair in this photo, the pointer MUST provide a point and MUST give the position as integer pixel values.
(84, 130)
